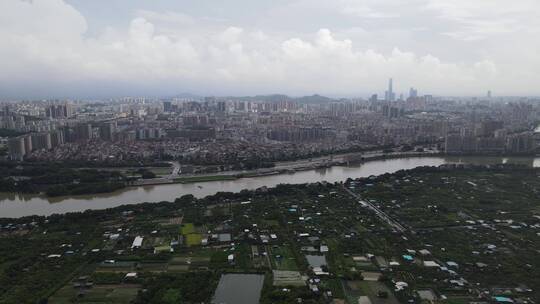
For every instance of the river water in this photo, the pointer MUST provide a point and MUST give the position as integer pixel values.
(18, 205)
(239, 288)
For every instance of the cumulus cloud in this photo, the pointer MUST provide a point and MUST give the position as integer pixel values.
(162, 53)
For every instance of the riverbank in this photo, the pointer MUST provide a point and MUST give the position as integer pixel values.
(199, 179)
(81, 186)
(18, 205)
(288, 167)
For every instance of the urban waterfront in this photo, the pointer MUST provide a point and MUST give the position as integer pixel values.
(18, 205)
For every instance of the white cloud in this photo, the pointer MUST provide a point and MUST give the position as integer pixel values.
(231, 35)
(170, 52)
(174, 18)
(481, 19)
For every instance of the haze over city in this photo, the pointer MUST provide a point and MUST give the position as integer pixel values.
(74, 48)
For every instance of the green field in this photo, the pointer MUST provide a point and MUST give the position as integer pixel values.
(286, 262)
(185, 263)
(161, 170)
(187, 228)
(164, 248)
(193, 239)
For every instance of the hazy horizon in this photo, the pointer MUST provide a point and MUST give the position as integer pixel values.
(345, 48)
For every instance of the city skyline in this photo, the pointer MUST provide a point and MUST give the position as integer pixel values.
(389, 95)
(346, 48)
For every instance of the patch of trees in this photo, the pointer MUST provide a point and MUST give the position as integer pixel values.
(146, 174)
(190, 287)
(87, 188)
(278, 295)
(55, 181)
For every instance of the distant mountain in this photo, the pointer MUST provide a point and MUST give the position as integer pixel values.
(267, 98)
(314, 99)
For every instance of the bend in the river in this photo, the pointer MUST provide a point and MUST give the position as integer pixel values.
(18, 205)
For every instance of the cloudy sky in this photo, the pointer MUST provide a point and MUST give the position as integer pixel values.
(101, 48)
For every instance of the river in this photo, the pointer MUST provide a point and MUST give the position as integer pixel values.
(18, 205)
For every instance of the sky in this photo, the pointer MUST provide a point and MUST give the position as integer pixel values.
(341, 48)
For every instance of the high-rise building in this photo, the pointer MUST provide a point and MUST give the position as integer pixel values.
(107, 131)
(520, 143)
(41, 141)
(82, 132)
(389, 94)
(390, 111)
(167, 106)
(59, 111)
(28, 144)
(16, 148)
(221, 106)
(57, 138)
(489, 94)
(413, 93)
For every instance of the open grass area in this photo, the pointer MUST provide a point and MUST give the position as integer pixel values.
(187, 228)
(193, 239)
(186, 263)
(164, 248)
(161, 170)
(283, 258)
(198, 179)
(335, 285)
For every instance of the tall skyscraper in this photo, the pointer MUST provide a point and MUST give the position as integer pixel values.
(489, 94)
(107, 130)
(389, 94)
(413, 93)
(167, 106)
(59, 111)
(16, 148)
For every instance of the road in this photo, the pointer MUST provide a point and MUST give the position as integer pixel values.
(281, 167)
(381, 214)
(175, 170)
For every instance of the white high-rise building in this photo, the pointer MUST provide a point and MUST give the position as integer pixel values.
(389, 94)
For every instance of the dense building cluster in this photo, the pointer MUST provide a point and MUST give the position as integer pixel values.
(265, 128)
